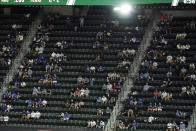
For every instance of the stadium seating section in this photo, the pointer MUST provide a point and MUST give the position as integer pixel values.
(164, 75)
(79, 54)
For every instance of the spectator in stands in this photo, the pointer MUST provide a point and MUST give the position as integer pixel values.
(35, 91)
(23, 84)
(169, 59)
(191, 66)
(146, 87)
(54, 79)
(4, 107)
(33, 115)
(24, 114)
(99, 112)
(35, 103)
(156, 93)
(104, 100)
(150, 107)
(81, 22)
(108, 110)
(37, 115)
(100, 69)
(169, 126)
(86, 92)
(193, 92)
(93, 123)
(28, 115)
(102, 124)
(66, 116)
(29, 102)
(178, 114)
(175, 126)
(134, 125)
(182, 126)
(6, 119)
(91, 81)
(151, 119)
(159, 107)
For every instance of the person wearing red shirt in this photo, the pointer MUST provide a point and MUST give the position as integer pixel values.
(155, 93)
(114, 87)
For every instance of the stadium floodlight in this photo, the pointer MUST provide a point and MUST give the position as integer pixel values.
(123, 9)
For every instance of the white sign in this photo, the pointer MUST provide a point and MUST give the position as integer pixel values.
(4, 0)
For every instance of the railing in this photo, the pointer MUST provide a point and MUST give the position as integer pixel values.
(132, 73)
(17, 61)
(192, 122)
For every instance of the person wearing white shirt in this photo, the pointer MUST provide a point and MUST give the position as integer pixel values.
(41, 50)
(44, 103)
(109, 87)
(154, 65)
(93, 123)
(92, 68)
(193, 76)
(14, 26)
(23, 84)
(37, 115)
(20, 37)
(150, 119)
(58, 44)
(191, 66)
(131, 52)
(169, 126)
(164, 95)
(53, 54)
(192, 89)
(183, 70)
(33, 115)
(9, 107)
(183, 89)
(169, 59)
(82, 92)
(182, 59)
(104, 99)
(6, 119)
(102, 124)
(30, 61)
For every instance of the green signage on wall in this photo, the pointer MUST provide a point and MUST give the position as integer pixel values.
(81, 2)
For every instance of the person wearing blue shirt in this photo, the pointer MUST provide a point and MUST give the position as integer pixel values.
(29, 102)
(128, 100)
(178, 114)
(39, 102)
(133, 125)
(13, 95)
(54, 79)
(100, 68)
(150, 107)
(140, 100)
(4, 107)
(99, 99)
(66, 115)
(142, 75)
(119, 86)
(146, 75)
(182, 126)
(35, 91)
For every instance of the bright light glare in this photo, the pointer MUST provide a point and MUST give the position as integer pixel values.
(116, 8)
(124, 9)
